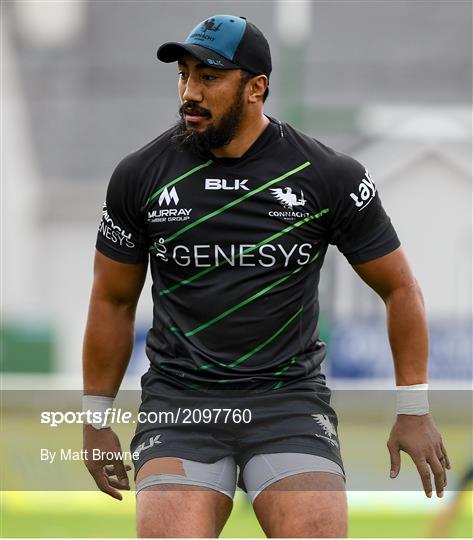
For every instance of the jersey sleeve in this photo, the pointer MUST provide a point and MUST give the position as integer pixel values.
(122, 230)
(359, 225)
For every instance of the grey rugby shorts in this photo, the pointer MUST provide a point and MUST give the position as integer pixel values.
(266, 436)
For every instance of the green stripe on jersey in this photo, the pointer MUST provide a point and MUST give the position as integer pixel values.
(245, 251)
(250, 298)
(287, 366)
(175, 181)
(267, 341)
(258, 347)
(235, 202)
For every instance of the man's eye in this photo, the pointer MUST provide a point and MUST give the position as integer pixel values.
(208, 77)
(182, 75)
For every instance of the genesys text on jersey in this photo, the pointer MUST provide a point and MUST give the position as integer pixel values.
(206, 255)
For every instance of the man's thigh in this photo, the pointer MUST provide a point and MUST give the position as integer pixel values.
(310, 504)
(182, 498)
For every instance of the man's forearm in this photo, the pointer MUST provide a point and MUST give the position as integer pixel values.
(108, 344)
(408, 334)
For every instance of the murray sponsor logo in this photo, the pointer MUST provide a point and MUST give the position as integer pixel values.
(288, 200)
(330, 433)
(366, 192)
(169, 198)
(113, 232)
(223, 183)
(169, 214)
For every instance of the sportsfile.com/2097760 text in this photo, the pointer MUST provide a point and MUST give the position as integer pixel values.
(177, 416)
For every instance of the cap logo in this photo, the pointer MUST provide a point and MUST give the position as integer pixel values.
(221, 34)
(213, 62)
(209, 25)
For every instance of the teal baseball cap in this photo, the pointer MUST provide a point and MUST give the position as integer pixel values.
(223, 42)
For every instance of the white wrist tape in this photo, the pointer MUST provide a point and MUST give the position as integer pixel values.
(412, 399)
(95, 408)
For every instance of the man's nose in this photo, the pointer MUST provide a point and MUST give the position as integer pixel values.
(192, 90)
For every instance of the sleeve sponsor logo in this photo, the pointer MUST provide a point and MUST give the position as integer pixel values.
(366, 192)
(113, 232)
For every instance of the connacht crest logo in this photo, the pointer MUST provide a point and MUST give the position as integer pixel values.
(287, 198)
(330, 433)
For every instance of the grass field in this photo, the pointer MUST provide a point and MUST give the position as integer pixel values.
(87, 514)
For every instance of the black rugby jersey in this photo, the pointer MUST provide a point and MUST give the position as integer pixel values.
(235, 247)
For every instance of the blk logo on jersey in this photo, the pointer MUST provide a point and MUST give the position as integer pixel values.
(223, 183)
(366, 192)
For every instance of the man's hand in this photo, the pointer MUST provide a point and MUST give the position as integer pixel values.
(104, 471)
(418, 437)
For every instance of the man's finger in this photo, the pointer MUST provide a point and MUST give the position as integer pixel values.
(424, 473)
(103, 484)
(444, 452)
(120, 472)
(110, 469)
(116, 484)
(443, 461)
(395, 455)
(439, 474)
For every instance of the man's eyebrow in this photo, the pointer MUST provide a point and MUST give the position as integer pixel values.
(200, 65)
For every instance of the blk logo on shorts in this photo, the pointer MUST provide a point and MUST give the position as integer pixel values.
(145, 445)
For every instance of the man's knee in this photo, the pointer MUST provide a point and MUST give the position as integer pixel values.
(313, 525)
(294, 507)
(173, 510)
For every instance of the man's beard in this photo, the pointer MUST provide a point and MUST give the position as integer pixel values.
(215, 136)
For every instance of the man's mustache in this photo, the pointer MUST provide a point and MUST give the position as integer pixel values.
(188, 107)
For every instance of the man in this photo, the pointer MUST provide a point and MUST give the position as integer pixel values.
(235, 212)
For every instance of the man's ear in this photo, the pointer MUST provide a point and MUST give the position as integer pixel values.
(257, 88)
